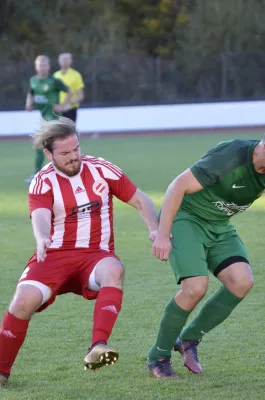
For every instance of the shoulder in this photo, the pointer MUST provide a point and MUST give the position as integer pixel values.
(41, 182)
(75, 72)
(232, 144)
(33, 78)
(54, 78)
(237, 150)
(57, 74)
(109, 170)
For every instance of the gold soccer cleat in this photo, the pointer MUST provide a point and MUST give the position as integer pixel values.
(100, 355)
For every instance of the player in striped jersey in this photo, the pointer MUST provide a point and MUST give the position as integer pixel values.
(71, 208)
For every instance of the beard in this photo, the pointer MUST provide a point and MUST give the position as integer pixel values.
(72, 168)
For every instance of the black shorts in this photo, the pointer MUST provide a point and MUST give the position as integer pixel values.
(71, 114)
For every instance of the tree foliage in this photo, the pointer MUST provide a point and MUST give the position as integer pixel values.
(153, 49)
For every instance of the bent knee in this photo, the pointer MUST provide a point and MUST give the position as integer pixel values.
(195, 289)
(26, 301)
(242, 286)
(116, 272)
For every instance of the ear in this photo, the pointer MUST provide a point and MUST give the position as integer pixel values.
(48, 154)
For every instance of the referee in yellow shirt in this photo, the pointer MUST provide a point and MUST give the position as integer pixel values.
(73, 79)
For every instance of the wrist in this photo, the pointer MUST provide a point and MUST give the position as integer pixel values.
(163, 233)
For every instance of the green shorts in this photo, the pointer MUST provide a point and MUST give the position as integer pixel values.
(197, 249)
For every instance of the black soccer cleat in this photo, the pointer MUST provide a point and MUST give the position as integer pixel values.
(188, 350)
(161, 369)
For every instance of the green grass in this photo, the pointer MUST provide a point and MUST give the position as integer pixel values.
(49, 365)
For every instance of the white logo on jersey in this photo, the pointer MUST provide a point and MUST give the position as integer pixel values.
(237, 187)
(40, 99)
(46, 88)
(100, 188)
(230, 208)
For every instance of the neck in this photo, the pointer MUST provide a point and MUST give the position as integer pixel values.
(41, 76)
(258, 158)
(64, 70)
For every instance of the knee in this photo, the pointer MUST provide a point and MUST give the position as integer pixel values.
(195, 291)
(116, 273)
(113, 276)
(25, 302)
(242, 286)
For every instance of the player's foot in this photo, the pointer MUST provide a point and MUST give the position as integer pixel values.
(29, 179)
(188, 350)
(162, 368)
(3, 379)
(99, 355)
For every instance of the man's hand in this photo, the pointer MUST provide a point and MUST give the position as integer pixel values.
(161, 247)
(152, 235)
(42, 246)
(61, 107)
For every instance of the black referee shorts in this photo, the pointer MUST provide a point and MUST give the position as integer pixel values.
(71, 114)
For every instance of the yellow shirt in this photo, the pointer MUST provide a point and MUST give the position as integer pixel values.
(73, 79)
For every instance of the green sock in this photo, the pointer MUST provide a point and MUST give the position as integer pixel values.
(214, 311)
(39, 160)
(172, 323)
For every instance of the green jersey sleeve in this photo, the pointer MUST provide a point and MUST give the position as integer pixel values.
(219, 161)
(60, 86)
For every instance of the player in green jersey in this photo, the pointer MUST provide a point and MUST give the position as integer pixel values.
(43, 93)
(196, 211)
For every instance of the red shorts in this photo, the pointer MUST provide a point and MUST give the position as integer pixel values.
(65, 271)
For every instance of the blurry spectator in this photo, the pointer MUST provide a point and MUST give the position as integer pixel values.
(73, 79)
(43, 93)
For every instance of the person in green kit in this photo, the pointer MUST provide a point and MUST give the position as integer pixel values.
(196, 235)
(43, 93)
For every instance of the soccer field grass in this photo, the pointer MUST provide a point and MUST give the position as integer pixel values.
(49, 366)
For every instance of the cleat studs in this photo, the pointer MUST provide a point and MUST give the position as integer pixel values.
(112, 362)
(115, 358)
(85, 368)
(106, 354)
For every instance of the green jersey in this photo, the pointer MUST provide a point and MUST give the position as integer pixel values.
(230, 183)
(46, 94)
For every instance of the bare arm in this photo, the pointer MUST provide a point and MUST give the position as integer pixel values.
(147, 210)
(79, 96)
(186, 183)
(41, 224)
(66, 105)
(29, 102)
(68, 97)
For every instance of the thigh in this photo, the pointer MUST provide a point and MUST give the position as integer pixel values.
(84, 282)
(188, 255)
(228, 249)
(236, 274)
(56, 269)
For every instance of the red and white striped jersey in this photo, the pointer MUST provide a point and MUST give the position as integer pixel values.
(81, 205)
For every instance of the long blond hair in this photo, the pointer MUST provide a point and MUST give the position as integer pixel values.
(51, 130)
